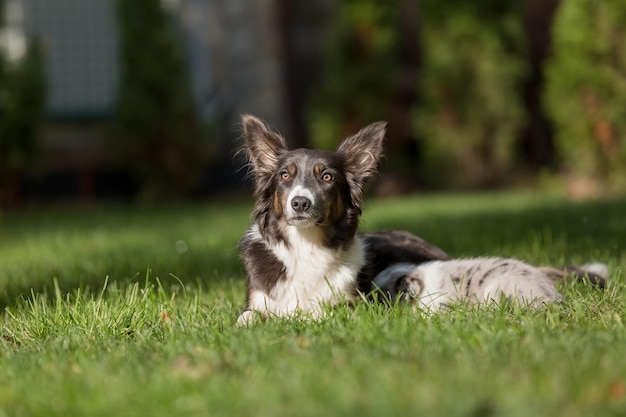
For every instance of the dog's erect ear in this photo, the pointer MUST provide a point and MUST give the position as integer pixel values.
(361, 153)
(262, 145)
(363, 150)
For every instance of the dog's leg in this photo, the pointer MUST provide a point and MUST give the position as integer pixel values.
(596, 274)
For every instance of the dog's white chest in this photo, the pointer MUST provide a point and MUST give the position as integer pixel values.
(314, 276)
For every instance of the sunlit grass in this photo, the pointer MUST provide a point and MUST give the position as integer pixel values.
(81, 247)
(107, 315)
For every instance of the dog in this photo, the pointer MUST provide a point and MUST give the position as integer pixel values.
(302, 252)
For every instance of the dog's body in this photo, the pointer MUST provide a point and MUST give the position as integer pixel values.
(302, 252)
(438, 284)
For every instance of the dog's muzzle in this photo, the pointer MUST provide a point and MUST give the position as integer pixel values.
(301, 211)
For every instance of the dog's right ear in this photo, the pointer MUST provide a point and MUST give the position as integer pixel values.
(262, 145)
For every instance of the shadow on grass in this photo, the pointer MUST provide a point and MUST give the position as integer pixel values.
(553, 229)
(192, 244)
(196, 244)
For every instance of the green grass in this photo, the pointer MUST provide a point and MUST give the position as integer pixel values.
(106, 314)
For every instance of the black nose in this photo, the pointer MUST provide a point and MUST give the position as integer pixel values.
(300, 204)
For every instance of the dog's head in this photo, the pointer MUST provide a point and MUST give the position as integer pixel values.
(311, 188)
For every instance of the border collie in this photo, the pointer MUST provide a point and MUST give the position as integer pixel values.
(302, 251)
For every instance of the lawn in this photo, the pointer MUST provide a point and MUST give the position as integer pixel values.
(117, 310)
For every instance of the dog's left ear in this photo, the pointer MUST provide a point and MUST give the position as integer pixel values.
(361, 153)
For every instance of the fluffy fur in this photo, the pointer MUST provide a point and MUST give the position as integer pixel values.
(302, 251)
(438, 284)
(434, 285)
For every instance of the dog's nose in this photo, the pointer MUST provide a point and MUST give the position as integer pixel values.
(300, 204)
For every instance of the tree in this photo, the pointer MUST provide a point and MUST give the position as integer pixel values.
(471, 109)
(22, 102)
(157, 132)
(586, 89)
(361, 64)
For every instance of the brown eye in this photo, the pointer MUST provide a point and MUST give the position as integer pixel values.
(327, 177)
(284, 175)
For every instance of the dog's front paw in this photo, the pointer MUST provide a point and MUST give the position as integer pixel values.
(247, 318)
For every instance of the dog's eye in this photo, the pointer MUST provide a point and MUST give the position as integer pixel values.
(327, 177)
(284, 175)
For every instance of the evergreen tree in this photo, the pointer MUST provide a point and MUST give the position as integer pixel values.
(467, 105)
(471, 109)
(360, 66)
(586, 88)
(157, 133)
(22, 102)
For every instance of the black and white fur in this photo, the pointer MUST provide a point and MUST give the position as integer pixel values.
(302, 251)
(438, 284)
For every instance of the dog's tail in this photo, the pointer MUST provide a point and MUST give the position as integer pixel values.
(594, 273)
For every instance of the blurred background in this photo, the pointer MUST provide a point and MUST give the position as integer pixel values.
(141, 99)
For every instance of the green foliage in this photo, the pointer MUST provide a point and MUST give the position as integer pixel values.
(157, 133)
(360, 67)
(22, 100)
(469, 108)
(471, 81)
(586, 88)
